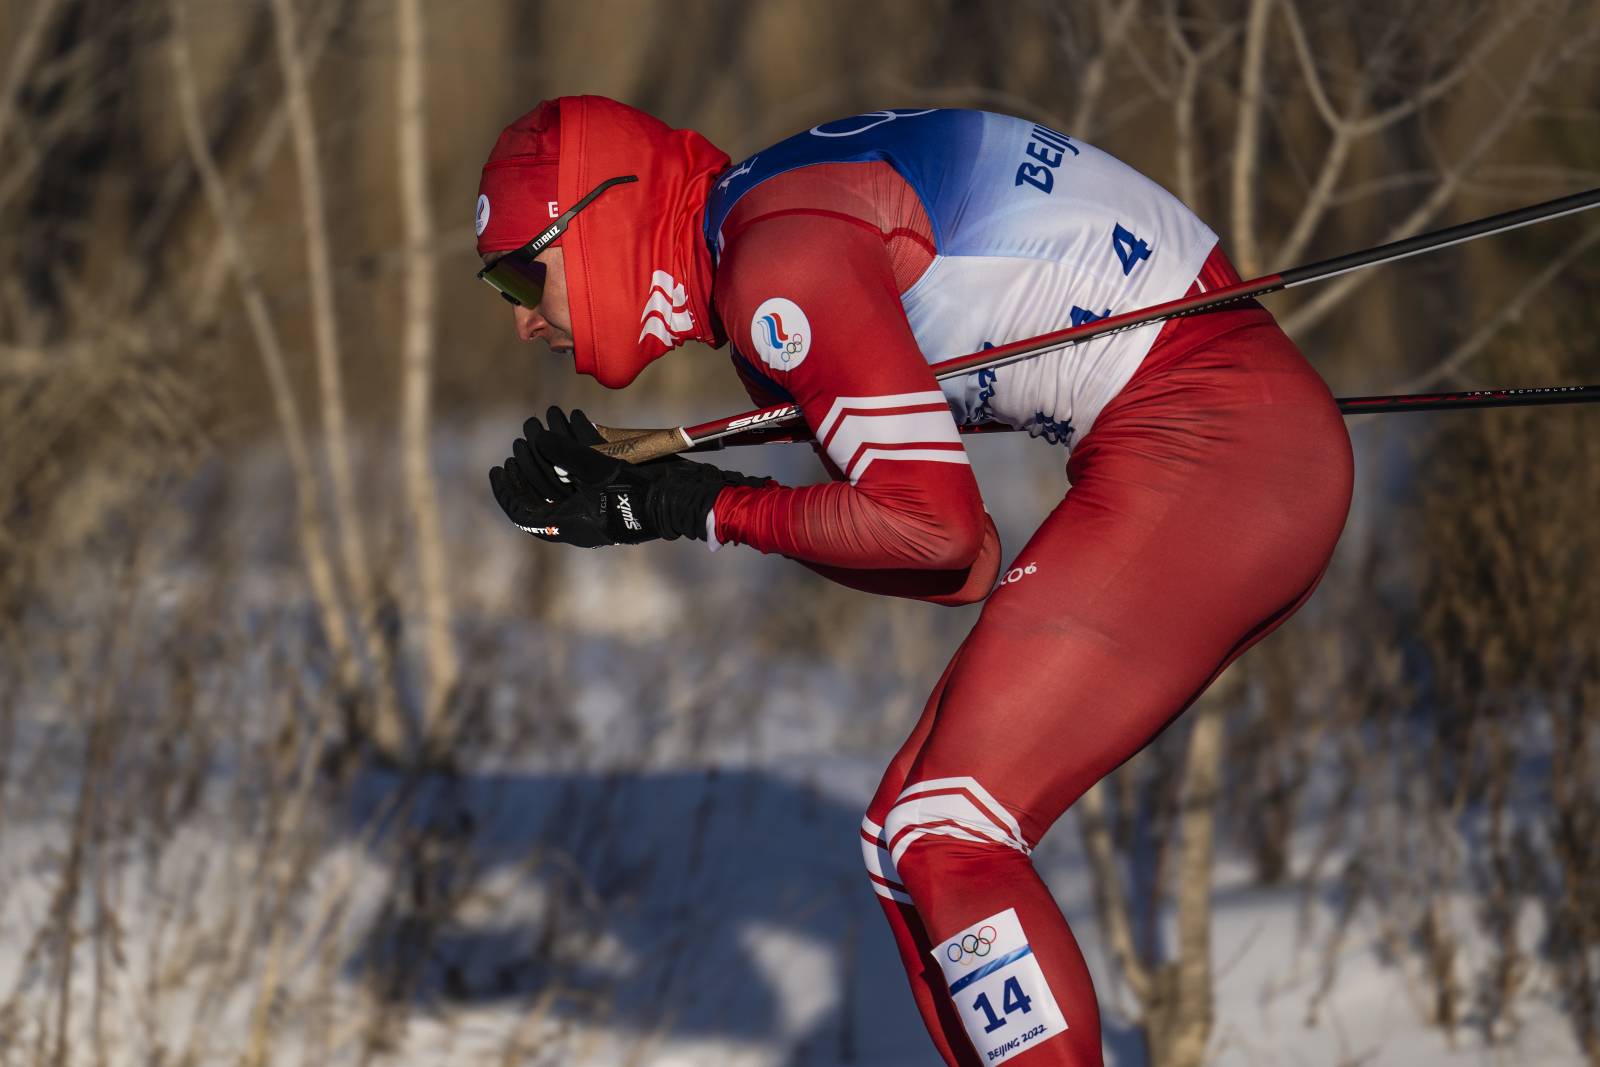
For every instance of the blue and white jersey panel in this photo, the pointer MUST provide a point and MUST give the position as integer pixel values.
(1033, 231)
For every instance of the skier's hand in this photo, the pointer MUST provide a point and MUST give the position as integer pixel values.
(576, 428)
(557, 488)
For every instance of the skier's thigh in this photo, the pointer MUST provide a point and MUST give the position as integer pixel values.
(1107, 624)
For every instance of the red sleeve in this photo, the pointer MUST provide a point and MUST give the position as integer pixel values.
(809, 300)
(966, 585)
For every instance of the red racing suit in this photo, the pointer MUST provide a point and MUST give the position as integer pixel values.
(1210, 475)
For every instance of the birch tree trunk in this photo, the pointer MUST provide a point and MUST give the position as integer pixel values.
(1176, 995)
(1247, 140)
(1181, 1007)
(416, 378)
(386, 725)
(310, 523)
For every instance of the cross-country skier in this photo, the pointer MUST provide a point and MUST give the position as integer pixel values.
(1209, 469)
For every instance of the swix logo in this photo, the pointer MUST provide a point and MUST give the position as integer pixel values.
(666, 315)
(482, 221)
(732, 174)
(625, 509)
(763, 416)
(780, 333)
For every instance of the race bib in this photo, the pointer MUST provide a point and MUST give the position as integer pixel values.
(998, 988)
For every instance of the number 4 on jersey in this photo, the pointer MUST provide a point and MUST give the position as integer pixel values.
(1129, 248)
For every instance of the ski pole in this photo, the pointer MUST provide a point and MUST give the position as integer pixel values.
(1348, 405)
(1477, 398)
(641, 445)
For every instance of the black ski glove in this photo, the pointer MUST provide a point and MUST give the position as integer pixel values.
(557, 488)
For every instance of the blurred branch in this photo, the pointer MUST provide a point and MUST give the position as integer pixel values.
(21, 62)
(1114, 22)
(212, 277)
(1312, 78)
(284, 866)
(1185, 99)
(1320, 198)
(1388, 183)
(1518, 177)
(1452, 79)
(1509, 311)
(1543, 63)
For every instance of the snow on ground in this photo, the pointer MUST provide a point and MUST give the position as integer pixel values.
(673, 883)
(721, 919)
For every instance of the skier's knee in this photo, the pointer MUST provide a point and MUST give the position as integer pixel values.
(954, 812)
(880, 868)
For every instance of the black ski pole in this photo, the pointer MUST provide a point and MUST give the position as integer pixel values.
(1477, 398)
(640, 445)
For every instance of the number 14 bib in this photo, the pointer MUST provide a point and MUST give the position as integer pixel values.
(998, 988)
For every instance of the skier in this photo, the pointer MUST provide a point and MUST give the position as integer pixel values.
(1209, 469)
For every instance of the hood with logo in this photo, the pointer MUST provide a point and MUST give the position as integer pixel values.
(637, 268)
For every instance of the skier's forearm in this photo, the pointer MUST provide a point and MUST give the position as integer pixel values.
(922, 525)
(948, 588)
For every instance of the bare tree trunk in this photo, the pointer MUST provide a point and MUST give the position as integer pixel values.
(1175, 996)
(1111, 901)
(388, 729)
(1179, 1012)
(1247, 140)
(309, 523)
(417, 370)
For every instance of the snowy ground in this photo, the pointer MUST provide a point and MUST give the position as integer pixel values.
(716, 915)
(638, 886)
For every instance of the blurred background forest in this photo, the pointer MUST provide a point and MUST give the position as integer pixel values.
(307, 756)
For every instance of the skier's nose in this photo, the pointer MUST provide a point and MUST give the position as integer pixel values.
(530, 324)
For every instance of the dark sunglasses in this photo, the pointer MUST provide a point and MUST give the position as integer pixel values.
(516, 276)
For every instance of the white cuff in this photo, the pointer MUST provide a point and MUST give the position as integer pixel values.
(712, 543)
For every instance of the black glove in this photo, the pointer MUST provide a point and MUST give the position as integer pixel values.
(557, 488)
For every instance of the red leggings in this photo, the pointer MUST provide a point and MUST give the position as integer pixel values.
(1204, 506)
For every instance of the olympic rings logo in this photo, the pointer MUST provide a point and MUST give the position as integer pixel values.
(858, 124)
(977, 945)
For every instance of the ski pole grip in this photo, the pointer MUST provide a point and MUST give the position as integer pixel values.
(613, 434)
(643, 446)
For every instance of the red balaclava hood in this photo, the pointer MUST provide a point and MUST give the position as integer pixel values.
(637, 268)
